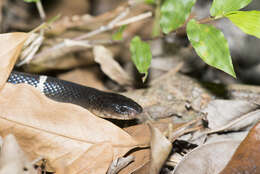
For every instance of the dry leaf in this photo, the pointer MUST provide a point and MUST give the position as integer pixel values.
(86, 77)
(11, 45)
(231, 115)
(247, 156)
(12, 158)
(110, 67)
(142, 135)
(101, 155)
(207, 159)
(160, 150)
(61, 132)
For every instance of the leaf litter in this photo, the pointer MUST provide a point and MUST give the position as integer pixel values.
(73, 140)
(63, 134)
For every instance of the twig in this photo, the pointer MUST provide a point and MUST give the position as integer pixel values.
(134, 19)
(62, 48)
(72, 43)
(34, 45)
(31, 48)
(41, 10)
(185, 128)
(102, 29)
(119, 17)
(115, 23)
(182, 28)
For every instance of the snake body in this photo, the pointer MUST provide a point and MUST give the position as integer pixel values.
(103, 104)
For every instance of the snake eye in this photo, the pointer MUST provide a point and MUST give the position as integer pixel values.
(123, 109)
(120, 109)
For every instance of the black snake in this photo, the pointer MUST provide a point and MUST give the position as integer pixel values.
(103, 104)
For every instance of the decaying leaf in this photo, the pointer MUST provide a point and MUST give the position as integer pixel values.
(143, 135)
(231, 114)
(110, 67)
(63, 132)
(247, 156)
(160, 149)
(209, 158)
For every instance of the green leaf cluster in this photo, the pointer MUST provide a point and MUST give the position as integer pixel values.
(208, 41)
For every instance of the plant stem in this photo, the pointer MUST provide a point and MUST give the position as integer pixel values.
(41, 10)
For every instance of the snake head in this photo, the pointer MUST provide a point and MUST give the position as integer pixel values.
(118, 107)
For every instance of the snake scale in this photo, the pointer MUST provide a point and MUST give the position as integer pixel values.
(103, 104)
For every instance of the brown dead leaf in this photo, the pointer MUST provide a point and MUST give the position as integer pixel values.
(12, 158)
(110, 67)
(247, 156)
(87, 77)
(142, 135)
(11, 45)
(160, 149)
(207, 159)
(57, 131)
(231, 115)
(101, 153)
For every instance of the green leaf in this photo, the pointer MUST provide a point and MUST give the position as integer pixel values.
(141, 55)
(150, 1)
(119, 34)
(211, 45)
(174, 13)
(220, 7)
(247, 21)
(31, 0)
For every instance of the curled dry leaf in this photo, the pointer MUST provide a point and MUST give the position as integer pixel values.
(209, 158)
(110, 67)
(236, 113)
(59, 132)
(247, 156)
(12, 158)
(10, 52)
(143, 135)
(160, 150)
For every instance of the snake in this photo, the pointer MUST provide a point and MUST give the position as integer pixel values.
(101, 103)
